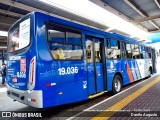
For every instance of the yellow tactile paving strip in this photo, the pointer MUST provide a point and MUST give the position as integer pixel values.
(121, 104)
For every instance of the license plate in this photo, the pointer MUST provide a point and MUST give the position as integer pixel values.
(15, 80)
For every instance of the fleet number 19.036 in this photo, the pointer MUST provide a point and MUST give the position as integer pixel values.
(68, 70)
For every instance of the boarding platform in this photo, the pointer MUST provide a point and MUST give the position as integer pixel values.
(141, 100)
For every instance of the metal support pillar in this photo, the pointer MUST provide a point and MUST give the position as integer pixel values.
(2, 56)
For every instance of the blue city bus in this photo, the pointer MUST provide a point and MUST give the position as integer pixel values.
(52, 61)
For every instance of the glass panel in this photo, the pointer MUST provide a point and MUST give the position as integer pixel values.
(129, 54)
(74, 38)
(65, 52)
(65, 47)
(14, 40)
(128, 46)
(142, 49)
(133, 47)
(89, 50)
(149, 55)
(146, 55)
(136, 55)
(123, 45)
(124, 54)
(136, 48)
(141, 55)
(113, 43)
(108, 44)
(113, 53)
(98, 52)
(56, 35)
(148, 52)
(19, 37)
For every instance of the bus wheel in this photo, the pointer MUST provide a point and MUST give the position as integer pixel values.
(117, 84)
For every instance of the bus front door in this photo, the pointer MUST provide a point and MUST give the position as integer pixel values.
(95, 65)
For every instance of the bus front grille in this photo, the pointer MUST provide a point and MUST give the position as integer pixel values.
(15, 94)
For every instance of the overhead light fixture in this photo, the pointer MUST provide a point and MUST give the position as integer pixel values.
(4, 33)
(3, 47)
(109, 29)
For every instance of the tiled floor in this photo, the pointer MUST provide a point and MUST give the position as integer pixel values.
(147, 103)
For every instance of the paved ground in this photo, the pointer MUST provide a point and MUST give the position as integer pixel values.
(147, 103)
(118, 102)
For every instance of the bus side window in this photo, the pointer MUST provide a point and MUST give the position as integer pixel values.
(142, 52)
(123, 49)
(135, 51)
(149, 54)
(128, 51)
(59, 54)
(141, 55)
(65, 44)
(148, 50)
(89, 50)
(113, 49)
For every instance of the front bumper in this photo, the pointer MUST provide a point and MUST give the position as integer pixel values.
(32, 98)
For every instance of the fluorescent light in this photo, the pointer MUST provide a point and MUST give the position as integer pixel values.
(109, 29)
(3, 47)
(3, 33)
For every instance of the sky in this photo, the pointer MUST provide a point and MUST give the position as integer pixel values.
(90, 10)
(154, 37)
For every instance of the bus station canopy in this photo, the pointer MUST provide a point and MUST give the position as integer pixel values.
(144, 14)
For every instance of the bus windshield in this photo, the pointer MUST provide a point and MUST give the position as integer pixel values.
(19, 36)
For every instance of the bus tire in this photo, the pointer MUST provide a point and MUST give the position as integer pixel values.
(117, 84)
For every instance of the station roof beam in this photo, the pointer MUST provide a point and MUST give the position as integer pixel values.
(140, 12)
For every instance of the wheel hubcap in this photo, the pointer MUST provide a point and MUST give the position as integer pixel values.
(117, 85)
